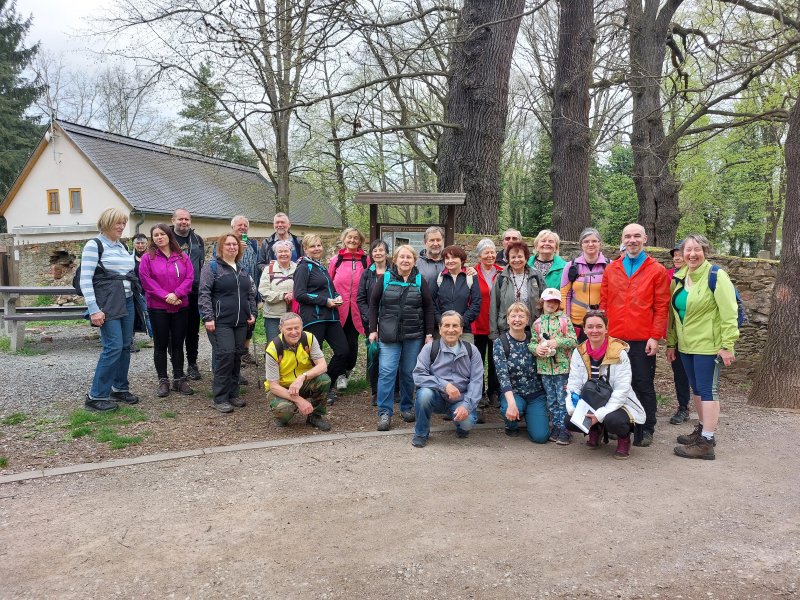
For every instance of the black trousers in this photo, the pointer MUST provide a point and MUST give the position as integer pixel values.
(227, 347)
(681, 383)
(643, 369)
(617, 422)
(332, 332)
(351, 335)
(169, 333)
(192, 330)
(486, 346)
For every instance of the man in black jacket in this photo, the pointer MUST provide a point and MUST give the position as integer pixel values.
(191, 244)
(281, 225)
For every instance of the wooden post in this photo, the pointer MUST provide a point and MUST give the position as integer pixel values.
(450, 227)
(373, 222)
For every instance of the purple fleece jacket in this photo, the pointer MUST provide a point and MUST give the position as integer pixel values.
(161, 276)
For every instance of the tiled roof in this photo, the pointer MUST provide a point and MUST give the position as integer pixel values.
(158, 179)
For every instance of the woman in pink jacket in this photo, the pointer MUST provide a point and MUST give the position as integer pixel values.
(345, 269)
(167, 274)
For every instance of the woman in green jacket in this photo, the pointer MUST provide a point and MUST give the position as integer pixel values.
(703, 324)
(545, 258)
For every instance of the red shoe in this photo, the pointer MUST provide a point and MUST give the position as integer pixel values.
(623, 450)
(595, 435)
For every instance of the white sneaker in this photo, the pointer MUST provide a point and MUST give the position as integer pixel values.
(341, 382)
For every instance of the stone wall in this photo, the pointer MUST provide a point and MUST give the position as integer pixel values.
(54, 264)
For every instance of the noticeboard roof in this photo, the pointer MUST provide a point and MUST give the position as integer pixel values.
(455, 199)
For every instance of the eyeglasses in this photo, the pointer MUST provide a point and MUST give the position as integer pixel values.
(511, 239)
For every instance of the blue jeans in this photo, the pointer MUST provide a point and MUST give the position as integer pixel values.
(394, 355)
(111, 372)
(556, 402)
(271, 327)
(431, 401)
(534, 409)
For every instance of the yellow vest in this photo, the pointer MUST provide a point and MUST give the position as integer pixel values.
(292, 363)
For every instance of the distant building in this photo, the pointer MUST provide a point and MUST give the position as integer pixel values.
(76, 172)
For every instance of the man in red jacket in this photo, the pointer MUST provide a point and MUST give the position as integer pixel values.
(635, 296)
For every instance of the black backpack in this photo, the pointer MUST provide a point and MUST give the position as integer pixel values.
(436, 345)
(76, 279)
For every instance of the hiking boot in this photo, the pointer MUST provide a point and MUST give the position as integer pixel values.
(681, 415)
(701, 448)
(483, 402)
(237, 402)
(333, 397)
(243, 380)
(461, 433)
(512, 431)
(247, 359)
(595, 435)
(418, 441)
(408, 416)
(223, 407)
(647, 440)
(553, 436)
(180, 385)
(494, 400)
(479, 418)
(163, 388)
(125, 397)
(691, 438)
(193, 373)
(99, 405)
(318, 421)
(384, 422)
(133, 347)
(279, 423)
(623, 450)
(341, 383)
(564, 438)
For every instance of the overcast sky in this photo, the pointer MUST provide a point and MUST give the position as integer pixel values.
(58, 24)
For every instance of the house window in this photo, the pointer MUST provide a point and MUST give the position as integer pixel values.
(52, 202)
(75, 200)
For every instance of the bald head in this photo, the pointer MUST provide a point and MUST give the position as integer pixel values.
(634, 238)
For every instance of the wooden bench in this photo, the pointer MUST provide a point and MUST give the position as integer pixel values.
(14, 317)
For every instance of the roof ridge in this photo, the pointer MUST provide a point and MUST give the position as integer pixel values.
(145, 145)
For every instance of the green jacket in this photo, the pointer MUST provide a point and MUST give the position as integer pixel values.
(710, 322)
(553, 277)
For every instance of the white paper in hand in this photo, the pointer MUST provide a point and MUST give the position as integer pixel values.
(579, 416)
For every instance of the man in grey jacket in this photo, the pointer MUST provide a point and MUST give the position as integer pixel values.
(449, 380)
(431, 262)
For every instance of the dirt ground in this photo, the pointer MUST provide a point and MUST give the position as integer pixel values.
(487, 517)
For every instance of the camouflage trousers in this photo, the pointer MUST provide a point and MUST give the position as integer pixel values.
(314, 390)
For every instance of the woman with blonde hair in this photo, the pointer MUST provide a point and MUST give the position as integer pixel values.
(345, 269)
(108, 282)
(318, 305)
(401, 318)
(545, 258)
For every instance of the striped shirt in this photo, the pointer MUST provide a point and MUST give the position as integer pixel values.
(116, 259)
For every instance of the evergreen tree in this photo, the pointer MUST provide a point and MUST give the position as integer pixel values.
(18, 132)
(205, 130)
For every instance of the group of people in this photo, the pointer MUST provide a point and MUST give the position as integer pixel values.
(555, 334)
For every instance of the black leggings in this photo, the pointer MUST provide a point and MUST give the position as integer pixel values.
(351, 335)
(617, 422)
(332, 332)
(169, 333)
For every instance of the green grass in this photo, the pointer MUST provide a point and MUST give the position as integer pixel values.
(142, 343)
(3, 462)
(5, 346)
(43, 301)
(62, 323)
(662, 400)
(104, 426)
(167, 414)
(356, 386)
(14, 418)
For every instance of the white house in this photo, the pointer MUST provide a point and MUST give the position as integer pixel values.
(76, 172)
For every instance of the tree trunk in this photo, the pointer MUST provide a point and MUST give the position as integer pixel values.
(572, 143)
(777, 384)
(280, 125)
(477, 101)
(656, 186)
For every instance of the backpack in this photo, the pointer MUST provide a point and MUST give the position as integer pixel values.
(741, 313)
(387, 276)
(305, 342)
(440, 278)
(340, 260)
(572, 272)
(563, 325)
(507, 345)
(76, 279)
(436, 346)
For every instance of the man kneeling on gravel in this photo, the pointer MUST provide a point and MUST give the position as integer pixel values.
(449, 380)
(296, 375)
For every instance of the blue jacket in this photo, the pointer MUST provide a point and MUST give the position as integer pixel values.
(452, 365)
